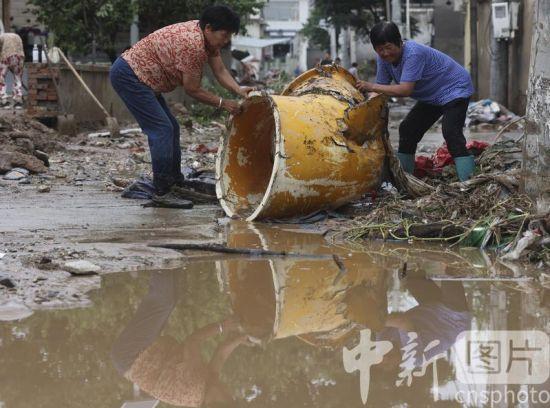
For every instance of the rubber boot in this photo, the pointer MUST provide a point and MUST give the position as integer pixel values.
(465, 166)
(407, 162)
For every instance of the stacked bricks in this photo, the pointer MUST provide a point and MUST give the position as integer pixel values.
(42, 96)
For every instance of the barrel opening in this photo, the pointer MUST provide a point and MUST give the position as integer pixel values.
(248, 159)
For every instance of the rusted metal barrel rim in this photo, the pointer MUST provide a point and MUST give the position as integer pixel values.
(221, 188)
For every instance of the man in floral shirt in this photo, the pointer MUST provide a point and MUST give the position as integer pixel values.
(170, 57)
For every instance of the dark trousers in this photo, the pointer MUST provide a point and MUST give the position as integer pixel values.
(423, 115)
(156, 121)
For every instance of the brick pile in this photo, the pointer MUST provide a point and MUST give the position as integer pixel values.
(42, 96)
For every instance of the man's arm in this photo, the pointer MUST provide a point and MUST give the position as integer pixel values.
(402, 89)
(192, 86)
(224, 77)
(412, 71)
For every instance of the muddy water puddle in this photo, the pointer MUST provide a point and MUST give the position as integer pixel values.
(382, 324)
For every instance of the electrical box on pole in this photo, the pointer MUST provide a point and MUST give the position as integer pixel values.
(501, 20)
(505, 20)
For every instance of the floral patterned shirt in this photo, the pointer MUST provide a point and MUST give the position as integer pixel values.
(162, 58)
(10, 44)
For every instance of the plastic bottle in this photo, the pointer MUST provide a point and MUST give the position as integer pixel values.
(35, 53)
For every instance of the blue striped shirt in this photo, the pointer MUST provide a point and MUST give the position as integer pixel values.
(438, 78)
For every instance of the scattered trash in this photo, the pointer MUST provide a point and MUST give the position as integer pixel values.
(252, 393)
(44, 188)
(486, 211)
(203, 149)
(2, 254)
(141, 189)
(81, 268)
(122, 132)
(488, 111)
(16, 174)
(7, 282)
(43, 157)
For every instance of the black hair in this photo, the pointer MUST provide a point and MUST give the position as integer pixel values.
(220, 17)
(385, 32)
(354, 64)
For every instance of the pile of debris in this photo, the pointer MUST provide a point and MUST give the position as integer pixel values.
(486, 211)
(25, 145)
(488, 113)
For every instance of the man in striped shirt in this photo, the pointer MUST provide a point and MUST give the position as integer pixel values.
(441, 86)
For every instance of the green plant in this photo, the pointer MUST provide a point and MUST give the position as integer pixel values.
(79, 25)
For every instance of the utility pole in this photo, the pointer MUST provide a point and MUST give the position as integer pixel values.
(473, 45)
(468, 38)
(498, 89)
(352, 46)
(408, 20)
(333, 42)
(536, 148)
(396, 14)
(345, 47)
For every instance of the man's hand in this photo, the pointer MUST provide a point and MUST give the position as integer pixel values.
(233, 107)
(244, 90)
(364, 86)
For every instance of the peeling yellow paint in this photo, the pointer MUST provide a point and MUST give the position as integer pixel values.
(316, 146)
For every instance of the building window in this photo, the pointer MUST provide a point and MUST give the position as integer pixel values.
(281, 11)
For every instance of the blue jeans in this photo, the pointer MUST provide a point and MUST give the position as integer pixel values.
(156, 121)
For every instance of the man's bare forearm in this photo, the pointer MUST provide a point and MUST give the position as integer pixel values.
(228, 82)
(391, 90)
(204, 96)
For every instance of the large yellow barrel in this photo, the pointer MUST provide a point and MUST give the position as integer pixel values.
(316, 146)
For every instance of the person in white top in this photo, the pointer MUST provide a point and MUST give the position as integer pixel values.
(353, 70)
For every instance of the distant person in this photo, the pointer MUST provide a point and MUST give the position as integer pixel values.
(12, 58)
(297, 71)
(327, 59)
(353, 70)
(441, 86)
(170, 57)
(338, 61)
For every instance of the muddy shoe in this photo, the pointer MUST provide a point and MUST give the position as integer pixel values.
(18, 105)
(195, 196)
(5, 104)
(169, 200)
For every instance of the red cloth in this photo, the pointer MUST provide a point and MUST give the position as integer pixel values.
(423, 166)
(426, 166)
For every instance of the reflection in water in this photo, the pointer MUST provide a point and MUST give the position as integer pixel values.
(258, 332)
(441, 315)
(170, 370)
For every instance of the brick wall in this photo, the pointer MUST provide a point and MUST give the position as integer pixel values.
(42, 95)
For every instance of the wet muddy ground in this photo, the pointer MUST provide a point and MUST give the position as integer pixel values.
(270, 332)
